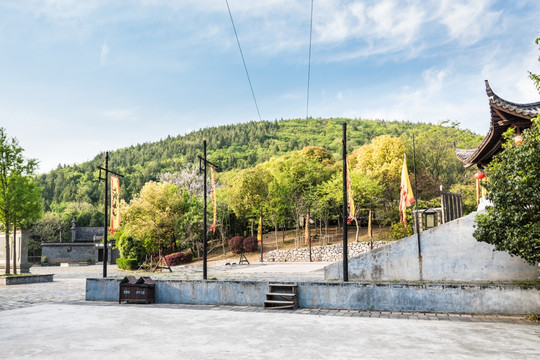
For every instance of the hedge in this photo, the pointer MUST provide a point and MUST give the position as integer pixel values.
(251, 244)
(236, 244)
(127, 264)
(178, 258)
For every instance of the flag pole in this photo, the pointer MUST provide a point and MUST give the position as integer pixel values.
(345, 256)
(416, 209)
(416, 202)
(106, 218)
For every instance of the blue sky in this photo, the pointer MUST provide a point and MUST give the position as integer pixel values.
(80, 77)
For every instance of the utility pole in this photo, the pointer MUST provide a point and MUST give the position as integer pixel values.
(203, 163)
(420, 264)
(106, 212)
(345, 245)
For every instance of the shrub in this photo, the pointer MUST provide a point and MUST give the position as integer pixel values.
(178, 258)
(127, 264)
(130, 248)
(236, 244)
(251, 244)
(44, 259)
(399, 231)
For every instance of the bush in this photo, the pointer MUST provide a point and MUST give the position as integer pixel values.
(178, 258)
(127, 264)
(236, 244)
(129, 247)
(44, 259)
(251, 244)
(399, 231)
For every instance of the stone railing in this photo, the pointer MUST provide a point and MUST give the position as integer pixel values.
(320, 253)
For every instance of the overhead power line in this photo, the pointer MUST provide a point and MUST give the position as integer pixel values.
(243, 60)
(309, 60)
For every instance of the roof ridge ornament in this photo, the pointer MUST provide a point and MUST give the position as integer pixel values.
(489, 91)
(504, 114)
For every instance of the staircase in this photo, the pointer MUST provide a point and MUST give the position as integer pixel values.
(282, 296)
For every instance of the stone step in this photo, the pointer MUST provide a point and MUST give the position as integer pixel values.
(280, 294)
(279, 304)
(283, 285)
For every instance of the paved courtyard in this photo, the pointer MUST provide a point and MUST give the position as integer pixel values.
(52, 321)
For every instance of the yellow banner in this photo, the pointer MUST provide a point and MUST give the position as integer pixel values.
(259, 232)
(352, 210)
(369, 229)
(406, 194)
(307, 229)
(213, 196)
(115, 205)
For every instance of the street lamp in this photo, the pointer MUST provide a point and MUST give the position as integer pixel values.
(429, 218)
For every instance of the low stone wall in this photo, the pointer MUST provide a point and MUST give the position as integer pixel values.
(326, 253)
(25, 279)
(449, 253)
(467, 298)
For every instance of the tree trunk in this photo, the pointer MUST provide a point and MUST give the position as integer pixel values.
(276, 233)
(8, 265)
(326, 230)
(296, 235)
(14, 249)
(252, 224)
(283, 233)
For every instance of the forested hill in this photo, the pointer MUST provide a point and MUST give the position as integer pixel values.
(231, 147)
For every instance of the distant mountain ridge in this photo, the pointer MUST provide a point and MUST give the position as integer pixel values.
(232, 147)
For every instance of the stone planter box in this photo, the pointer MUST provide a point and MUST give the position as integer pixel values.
(25, 279)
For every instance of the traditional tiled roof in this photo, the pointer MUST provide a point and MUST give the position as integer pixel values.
(504, 114)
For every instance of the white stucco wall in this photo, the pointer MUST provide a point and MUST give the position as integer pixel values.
(449, 253)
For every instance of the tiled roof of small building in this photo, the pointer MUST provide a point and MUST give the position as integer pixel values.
(504, 114)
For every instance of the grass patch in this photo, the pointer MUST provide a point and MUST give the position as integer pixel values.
(526, 282)
(15, 274)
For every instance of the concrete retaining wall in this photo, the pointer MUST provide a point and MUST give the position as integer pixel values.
(449, 253)
(496, 299)
(25, 279)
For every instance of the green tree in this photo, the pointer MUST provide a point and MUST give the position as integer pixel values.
(297, 177)
(381, 161)
(26, 207)
(45, 229)
(153, 216)
(512, 224)
(12, 166)
(534, 77)
(248, 192)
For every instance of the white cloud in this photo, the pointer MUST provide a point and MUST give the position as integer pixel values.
(469, 21)
(104, 53)
(509, 77)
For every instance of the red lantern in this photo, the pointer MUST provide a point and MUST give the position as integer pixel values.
(479, 175)
(518, 140)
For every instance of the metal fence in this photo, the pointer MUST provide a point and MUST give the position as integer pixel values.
(452, 205)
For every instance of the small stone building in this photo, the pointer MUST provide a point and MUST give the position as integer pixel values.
(85, 246)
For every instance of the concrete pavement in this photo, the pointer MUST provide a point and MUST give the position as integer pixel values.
(112, 331)
(52, 321)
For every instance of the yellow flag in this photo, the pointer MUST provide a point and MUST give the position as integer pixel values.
(213, 197)
(352, 210)
(259, 233)
(306, 233)
(370, 231)
(115, 205)
(406, 194)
